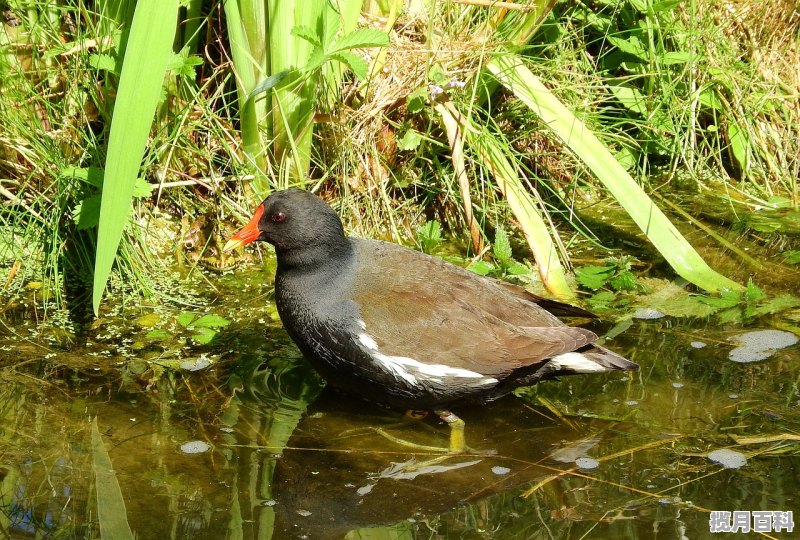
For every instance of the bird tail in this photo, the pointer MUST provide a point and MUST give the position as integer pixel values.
(609, 359)
(588, 359)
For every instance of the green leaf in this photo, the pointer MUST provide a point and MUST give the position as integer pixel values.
(183, 64)
(91, 175)
(410, 140)
(103, 62)
(602, 299)
(360, 39)
(315, 59)
(623, 281)
(356, 64)
(670, 298)
(518, 269)
(791, 256)
(632, 45)
(727, 298)
(502, 247)
(599, 21)
(210, 321)
(331, 24)
(739, 144)
(678, 57)
(752, 293)
(185, 318)
(308, 34)
(777, 305)
(142, 188)
(665, 5)
(112, 517)
(270, 82)
(593, 277)
(86, 213)
(730, 316)
(482, 268)
(157, 334)
(631, 98)
(778, 201)
(642, 6)
(204, 327)
(417, 100)
(709, 98)
(149, 46)
(203, 336)
(437, 75)
(626, 157)
(429, 235)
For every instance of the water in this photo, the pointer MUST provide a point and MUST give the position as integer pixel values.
(609, 456)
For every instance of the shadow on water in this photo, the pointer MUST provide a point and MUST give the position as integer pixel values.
(612, 456)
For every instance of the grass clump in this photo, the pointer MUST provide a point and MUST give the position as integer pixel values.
(691, 98)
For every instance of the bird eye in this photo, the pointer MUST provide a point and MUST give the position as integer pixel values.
(278, 217)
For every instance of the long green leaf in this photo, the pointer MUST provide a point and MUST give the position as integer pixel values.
(111, 513)
(683, 258)
(148, 49)
(246, 23)
(292, 118)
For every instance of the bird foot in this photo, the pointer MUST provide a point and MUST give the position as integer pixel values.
(457, 442)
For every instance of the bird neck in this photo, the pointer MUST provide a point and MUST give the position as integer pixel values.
(313, 258)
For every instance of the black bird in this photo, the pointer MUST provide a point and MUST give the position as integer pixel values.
(405, 329)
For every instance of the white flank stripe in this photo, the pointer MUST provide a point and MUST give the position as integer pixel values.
(368, 342)
(577, 362)
(405, 367)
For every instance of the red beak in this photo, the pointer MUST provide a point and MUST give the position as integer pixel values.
(248, 233)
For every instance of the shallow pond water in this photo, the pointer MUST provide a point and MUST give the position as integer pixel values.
(251, 445)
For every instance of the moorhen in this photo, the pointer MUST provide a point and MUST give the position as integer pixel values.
(406, 329)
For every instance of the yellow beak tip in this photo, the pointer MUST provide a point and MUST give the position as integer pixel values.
(230, 245)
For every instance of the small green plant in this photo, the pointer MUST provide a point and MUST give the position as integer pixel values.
(330, 47)
(429, 235)
(504, 264)
(739, 306)
(615, 274)
(792, 256)
(86, 212)
(203, 327)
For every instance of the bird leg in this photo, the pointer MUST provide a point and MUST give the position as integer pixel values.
(457, 441)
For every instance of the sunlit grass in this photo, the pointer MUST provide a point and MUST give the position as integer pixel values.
(681, 102)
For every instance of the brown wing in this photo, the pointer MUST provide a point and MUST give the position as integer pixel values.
(420, 307)
(559, 309)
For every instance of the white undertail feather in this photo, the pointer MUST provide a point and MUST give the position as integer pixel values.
(576, 362)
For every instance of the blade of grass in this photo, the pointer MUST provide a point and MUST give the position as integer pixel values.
(683, 258)
(148, 49)
(455, 137)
